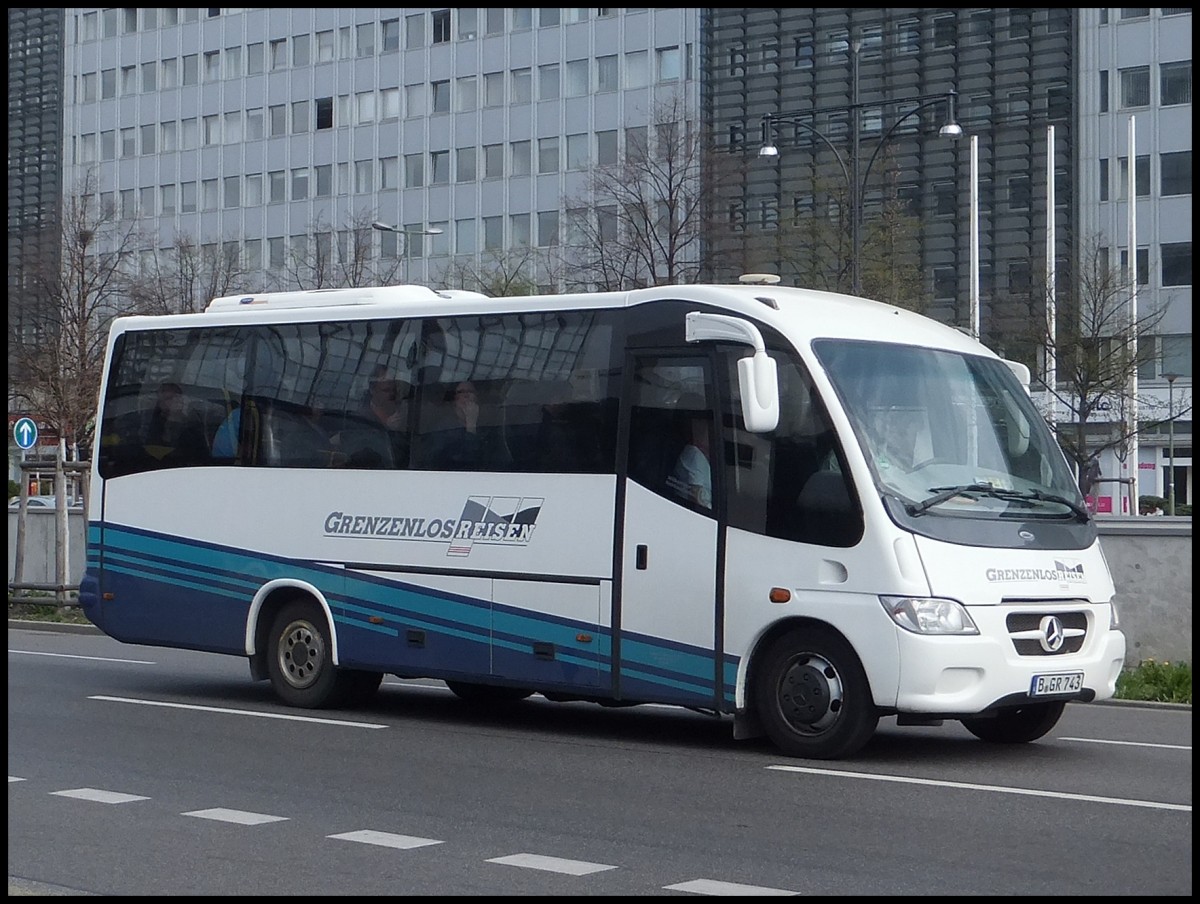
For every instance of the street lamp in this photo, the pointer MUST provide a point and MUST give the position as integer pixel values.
(1171, 378)
(386, 227)
(856, 177)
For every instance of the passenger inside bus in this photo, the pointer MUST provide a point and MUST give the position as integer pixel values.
(173, 433)
(469, 444)
(692, 475)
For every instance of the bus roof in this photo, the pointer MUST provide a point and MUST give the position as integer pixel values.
(802, 314)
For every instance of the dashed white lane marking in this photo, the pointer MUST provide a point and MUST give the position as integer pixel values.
(552, 864)
(102, 797)
(236, 712)
(14, 778)
(241, 817)
(1129, 743)
(90, 658)
(713, 887)
(997, 789)
(385, 839)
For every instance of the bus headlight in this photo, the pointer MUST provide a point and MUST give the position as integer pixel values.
(929, 615)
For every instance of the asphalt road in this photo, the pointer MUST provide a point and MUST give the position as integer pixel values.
(136, 770)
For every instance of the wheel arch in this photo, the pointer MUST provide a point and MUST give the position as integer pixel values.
(753, 663)
(270, 598)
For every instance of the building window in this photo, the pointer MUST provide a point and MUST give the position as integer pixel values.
(493, 161)
(1177, 264)
(607, 73)
(944, 201)
(255, 56)
(522, 86)
(548, 82)
(108, 84)
(278, 54)
(324, 180)
(494, 20)
(301, 50)
(364, 40)
(1176, 173)
(944, 283)
(493, 89)
(465, 237)
(212, 65)
(464, 165)
(276, 186)
(1104, 179)
(325, 46)
(1141, 175)
(468, 22)
(300, 121)
(254, 190)
(578, 83)
(522, 158)
(1135, 87)
(945, 32)
(1103, 90)
(324, 111)
(668, 61)
(493, 233)
(548, 155)
(233, 191)
(441, 26)
(1175, 83)
(466, 90)
(414, 170)
(363, 172)
(637, 69)
(439, 167)
(364, 107)
(414, 31)
(440, 96)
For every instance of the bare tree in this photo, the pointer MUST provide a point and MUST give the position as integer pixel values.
(499, 273)
(60, 364)
(324, 258)
(640, 221)
(1097, 348)
(184, 278)
(815, 247)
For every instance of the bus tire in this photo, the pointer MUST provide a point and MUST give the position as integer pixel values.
(812, 695)
(300, 658)
(1018, 725)
(484, 694)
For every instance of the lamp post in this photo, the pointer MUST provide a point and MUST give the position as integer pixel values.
(1171, 378)
(405, 233)
(856, 176)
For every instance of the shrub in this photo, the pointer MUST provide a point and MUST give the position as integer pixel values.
(1162, 682)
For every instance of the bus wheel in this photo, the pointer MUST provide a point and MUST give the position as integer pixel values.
(812, 696)
(1018, 725)
(482, 694)
(300, 658)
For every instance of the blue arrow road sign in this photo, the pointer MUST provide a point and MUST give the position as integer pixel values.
(26, 432)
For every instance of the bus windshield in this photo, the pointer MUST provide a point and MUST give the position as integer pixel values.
(950, 434)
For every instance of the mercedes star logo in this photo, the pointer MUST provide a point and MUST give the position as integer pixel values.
(1052, 634)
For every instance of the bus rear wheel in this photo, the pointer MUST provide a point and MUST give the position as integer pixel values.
(1018, 725)
(813, 697)
(300, 659)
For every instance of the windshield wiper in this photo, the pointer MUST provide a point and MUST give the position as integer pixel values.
(941, 494)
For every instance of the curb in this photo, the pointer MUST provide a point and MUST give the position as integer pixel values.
(67, 628)
(55, 627)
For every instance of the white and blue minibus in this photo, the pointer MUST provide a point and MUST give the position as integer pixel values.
(889, 528)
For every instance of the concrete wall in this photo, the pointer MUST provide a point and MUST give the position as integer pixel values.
(1151, 563)
(1150, 558)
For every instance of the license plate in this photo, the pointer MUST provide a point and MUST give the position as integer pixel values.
(1051, 685)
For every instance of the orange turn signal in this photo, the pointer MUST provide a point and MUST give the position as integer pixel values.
(780, 595)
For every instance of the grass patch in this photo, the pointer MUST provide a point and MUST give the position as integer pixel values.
(1161, 682)
(48, 611)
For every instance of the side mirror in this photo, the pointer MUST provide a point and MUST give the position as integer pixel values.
(758, 378)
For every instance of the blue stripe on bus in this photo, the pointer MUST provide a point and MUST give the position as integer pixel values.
(651, 668)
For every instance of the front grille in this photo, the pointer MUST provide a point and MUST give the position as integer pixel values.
(1025, 630)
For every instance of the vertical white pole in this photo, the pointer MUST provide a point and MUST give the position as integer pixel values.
(1051, 300)
(1132, 408)
(975, 236)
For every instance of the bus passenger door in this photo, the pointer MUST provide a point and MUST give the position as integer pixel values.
(665, 626)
